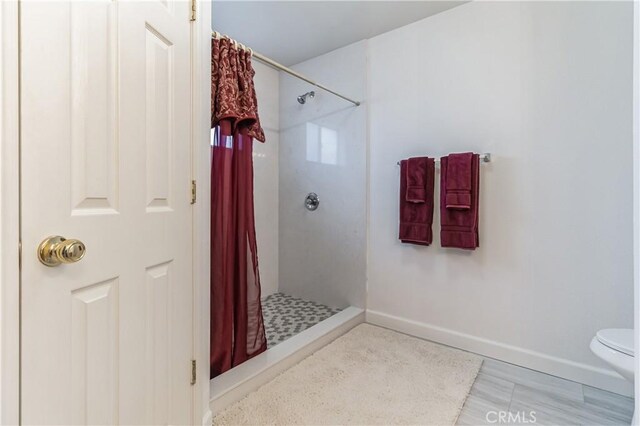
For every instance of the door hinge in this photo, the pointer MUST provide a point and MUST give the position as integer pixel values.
(193, 191)
(193, 10)
(193, 371)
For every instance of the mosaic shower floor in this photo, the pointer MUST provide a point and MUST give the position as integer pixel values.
(285, 316)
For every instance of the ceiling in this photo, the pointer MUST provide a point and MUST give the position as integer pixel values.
(293, 31)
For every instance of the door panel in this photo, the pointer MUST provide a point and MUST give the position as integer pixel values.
(159, 340)
(159, 77)
(94, 141)
(94, 353)
(105, 139)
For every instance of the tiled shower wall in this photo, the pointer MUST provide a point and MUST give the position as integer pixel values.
(265, 163)
(323, 150)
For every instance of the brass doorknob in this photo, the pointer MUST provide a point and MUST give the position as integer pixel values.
(56, 250)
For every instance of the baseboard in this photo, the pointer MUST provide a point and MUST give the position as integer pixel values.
(578, 372)
(233, 385)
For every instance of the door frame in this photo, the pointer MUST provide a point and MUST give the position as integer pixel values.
(636, 205)
(9, 213)
(10, 208)
(201, 169)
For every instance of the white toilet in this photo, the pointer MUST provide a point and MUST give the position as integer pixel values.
(615, 347)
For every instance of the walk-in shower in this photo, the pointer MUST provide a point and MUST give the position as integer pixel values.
(311, 256)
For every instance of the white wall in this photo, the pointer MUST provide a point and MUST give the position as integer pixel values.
(545, 87)
(265, 163)
(323, 253)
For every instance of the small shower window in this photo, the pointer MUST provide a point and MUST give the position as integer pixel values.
(218, 140)
(322, 144)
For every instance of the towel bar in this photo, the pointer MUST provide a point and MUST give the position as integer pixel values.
(484, 158)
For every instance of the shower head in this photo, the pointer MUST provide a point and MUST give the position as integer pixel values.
(302, 99)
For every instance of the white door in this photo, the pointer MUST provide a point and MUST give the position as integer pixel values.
(105, 159)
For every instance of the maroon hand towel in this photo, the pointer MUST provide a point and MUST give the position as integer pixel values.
(458, 189)
(416, 179)
(416, 218)
(459, 228)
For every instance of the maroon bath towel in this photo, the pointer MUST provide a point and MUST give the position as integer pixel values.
(416, 205)
(458, 188)
(459, 227)
(416, 180)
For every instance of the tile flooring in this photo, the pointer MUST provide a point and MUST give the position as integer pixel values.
(285, 316)
(502, 387)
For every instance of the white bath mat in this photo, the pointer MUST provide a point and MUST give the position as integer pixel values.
(370, 375)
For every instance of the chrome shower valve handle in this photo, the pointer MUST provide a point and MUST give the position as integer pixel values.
(311, 202)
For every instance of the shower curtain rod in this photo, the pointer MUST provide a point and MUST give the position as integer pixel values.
(276, 65)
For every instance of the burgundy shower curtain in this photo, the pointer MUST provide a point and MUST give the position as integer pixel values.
(237, 329)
